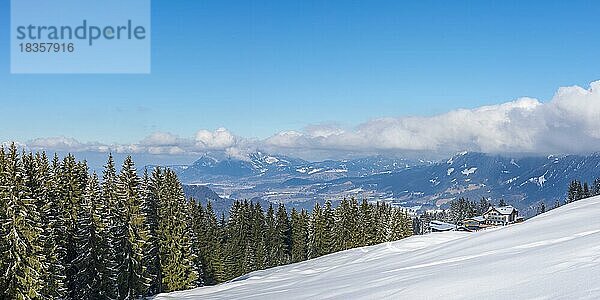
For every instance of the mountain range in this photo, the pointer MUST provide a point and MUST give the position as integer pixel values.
(523, 181)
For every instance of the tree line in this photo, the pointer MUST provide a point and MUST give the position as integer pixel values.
(577, 190)
(66, 233)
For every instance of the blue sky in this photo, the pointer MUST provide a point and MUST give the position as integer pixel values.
(261, 67)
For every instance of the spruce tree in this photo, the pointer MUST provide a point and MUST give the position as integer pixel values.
(214, 268)
(71, 188)
(556, 204)
(176, 258)
(596, 187)
(113, 232)
(346, 225)
(196, 227)
(586, 191)
(258, 237)
(282, 243)
(328, 227)
(368, 230)
(270, 238)
(55, 243)
(132, 283)
(234, 241)
(579, 191)
(3, 220)
(87, 244)
(396, 225)
(299, 229)
(540, 209)
(316, 234)
(150, 197)
(484, 205)
(22, 227)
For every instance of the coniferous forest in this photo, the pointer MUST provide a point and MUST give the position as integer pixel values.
(66, 233)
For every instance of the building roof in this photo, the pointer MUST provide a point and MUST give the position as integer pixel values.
(441, 226)
(503, 210)
(477, 218)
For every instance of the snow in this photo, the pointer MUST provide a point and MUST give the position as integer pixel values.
(555, 255)
(503, 210)
(468, 171)
(314, 171)
(479, 218)
(271, 160)
(441, 226)
(539, 180)
(513, 162)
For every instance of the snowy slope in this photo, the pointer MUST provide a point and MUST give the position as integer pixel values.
(552, 256)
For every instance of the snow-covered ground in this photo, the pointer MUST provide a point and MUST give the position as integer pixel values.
(552, 256)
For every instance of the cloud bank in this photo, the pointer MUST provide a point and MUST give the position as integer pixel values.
(569, 123)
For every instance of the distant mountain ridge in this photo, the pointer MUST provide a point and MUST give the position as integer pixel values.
(521, 181)
(260, 164)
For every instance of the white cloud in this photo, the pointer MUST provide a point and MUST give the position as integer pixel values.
(569, 123)
(219, 139)
(61, 143)
(161, 139)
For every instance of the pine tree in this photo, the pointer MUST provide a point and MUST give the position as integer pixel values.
(282, 242)
(316, 234)
(579, 191)
(345, 226)
(132, 283)
(258, 237)
(4, 259)
(270, 238)
(542, 208)
(150, 190)
(556, 204)
(87, 262)
(328, 227)
(71, 188)
(383, 220)
(40, 185)
(248, 261)
(299, 229)
(354, 221)
(197, 239)
(596, 187)
(55, 243)
(112, 232)
(502, 203)
(586, 191)
(484, 205)
(234, 241)
(214, 268)
(23, 230)
(397, 225)
(176, 258)
(408, 225)
(572, 192)
(368, 230)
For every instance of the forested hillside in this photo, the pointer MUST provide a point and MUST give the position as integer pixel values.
(67, 233)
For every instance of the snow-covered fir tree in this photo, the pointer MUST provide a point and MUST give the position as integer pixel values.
(23, 230)
(176, 258)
